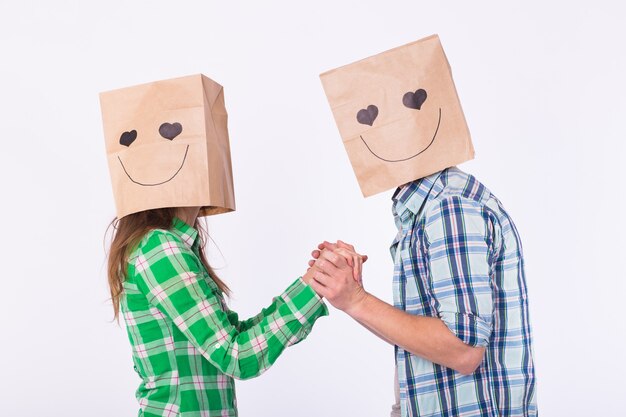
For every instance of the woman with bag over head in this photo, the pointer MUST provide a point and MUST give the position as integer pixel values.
(187, 345)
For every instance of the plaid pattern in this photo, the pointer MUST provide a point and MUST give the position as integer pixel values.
(459, 257)
(187, 344)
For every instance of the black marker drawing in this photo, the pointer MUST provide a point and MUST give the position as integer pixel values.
(158, 183)
(414, 100)
(410, 157)
(367, 116)
(128, 137)
(170, 130)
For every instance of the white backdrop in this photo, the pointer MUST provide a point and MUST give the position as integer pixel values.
(543, 90)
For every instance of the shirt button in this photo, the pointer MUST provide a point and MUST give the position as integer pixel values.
(217, 346)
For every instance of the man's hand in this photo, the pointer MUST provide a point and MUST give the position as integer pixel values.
(333, 279)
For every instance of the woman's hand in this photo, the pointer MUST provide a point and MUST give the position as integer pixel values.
(347, 251)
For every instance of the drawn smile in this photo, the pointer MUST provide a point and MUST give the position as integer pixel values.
(156, 183)
(410, 157)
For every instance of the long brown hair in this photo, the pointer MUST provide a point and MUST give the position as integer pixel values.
(128, 231)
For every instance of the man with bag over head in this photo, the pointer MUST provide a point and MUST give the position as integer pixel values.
(460, 321)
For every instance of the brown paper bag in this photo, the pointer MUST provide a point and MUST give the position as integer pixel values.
(399, 115)
(167, 145)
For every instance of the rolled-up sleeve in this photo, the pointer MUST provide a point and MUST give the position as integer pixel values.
(457, 249)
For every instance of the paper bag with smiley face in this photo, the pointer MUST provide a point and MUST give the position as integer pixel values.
(399, 115)
(167, 145)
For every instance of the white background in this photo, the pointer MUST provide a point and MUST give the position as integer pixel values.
(542, 85)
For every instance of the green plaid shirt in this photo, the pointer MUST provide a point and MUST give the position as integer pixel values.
(187, 344)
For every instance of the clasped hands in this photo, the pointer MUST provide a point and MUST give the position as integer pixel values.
(335, 274)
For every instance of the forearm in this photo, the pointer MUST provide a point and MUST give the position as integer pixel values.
(243, 325)
(427, 337)
(308, 277)
(375, 332)
(288, 320)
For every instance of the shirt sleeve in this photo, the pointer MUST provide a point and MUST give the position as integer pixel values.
(457, 248)
(171, 277)
(243, 325)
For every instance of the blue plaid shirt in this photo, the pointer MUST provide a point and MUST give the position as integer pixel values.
(458, 257)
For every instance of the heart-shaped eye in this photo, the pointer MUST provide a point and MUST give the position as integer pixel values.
(414, 100)
(128, 137)
(367, 116)
(170, 130)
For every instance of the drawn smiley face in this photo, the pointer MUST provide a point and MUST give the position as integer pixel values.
(168, 131)
(413, 100)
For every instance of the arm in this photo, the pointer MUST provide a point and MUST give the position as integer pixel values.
(247, 324)
(244, 325)
(457, 251)
(170, 276)
(427, 337)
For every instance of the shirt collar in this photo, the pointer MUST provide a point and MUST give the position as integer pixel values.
(409, 198)
(187, 233)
